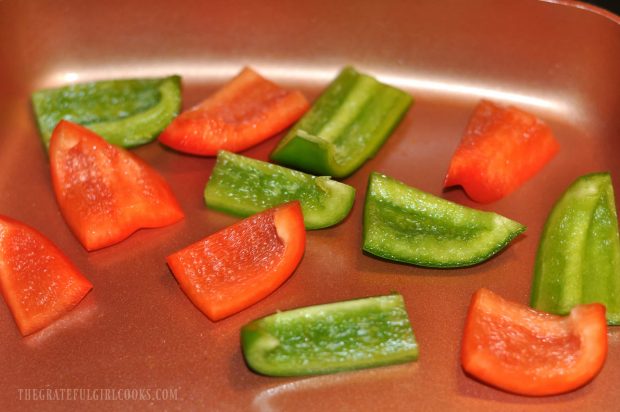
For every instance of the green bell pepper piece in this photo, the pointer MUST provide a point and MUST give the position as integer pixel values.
(578, 259)
(244, 186)
(405, 224)
(345, 127)
(127, 112)
(328, 338)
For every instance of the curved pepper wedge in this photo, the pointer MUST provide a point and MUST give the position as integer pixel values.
(501, 149)
(236, 267)
(242, 186)
(578, 259)
(126, 112)
(106, 193)
(329, 338)
(524, 351)
(405, 224)
(38, 282)
(243, 113)
(345, 127)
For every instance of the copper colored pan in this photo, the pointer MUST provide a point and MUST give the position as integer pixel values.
(136, 330)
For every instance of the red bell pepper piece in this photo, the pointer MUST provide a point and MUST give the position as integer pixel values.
(243, 113)
(38, 282)
(106, 193)
(524, 351)
(501, 149)
(236, 267)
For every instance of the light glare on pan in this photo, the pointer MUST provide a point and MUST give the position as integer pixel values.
(480, 92)
(70, 77)
(198, 72)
